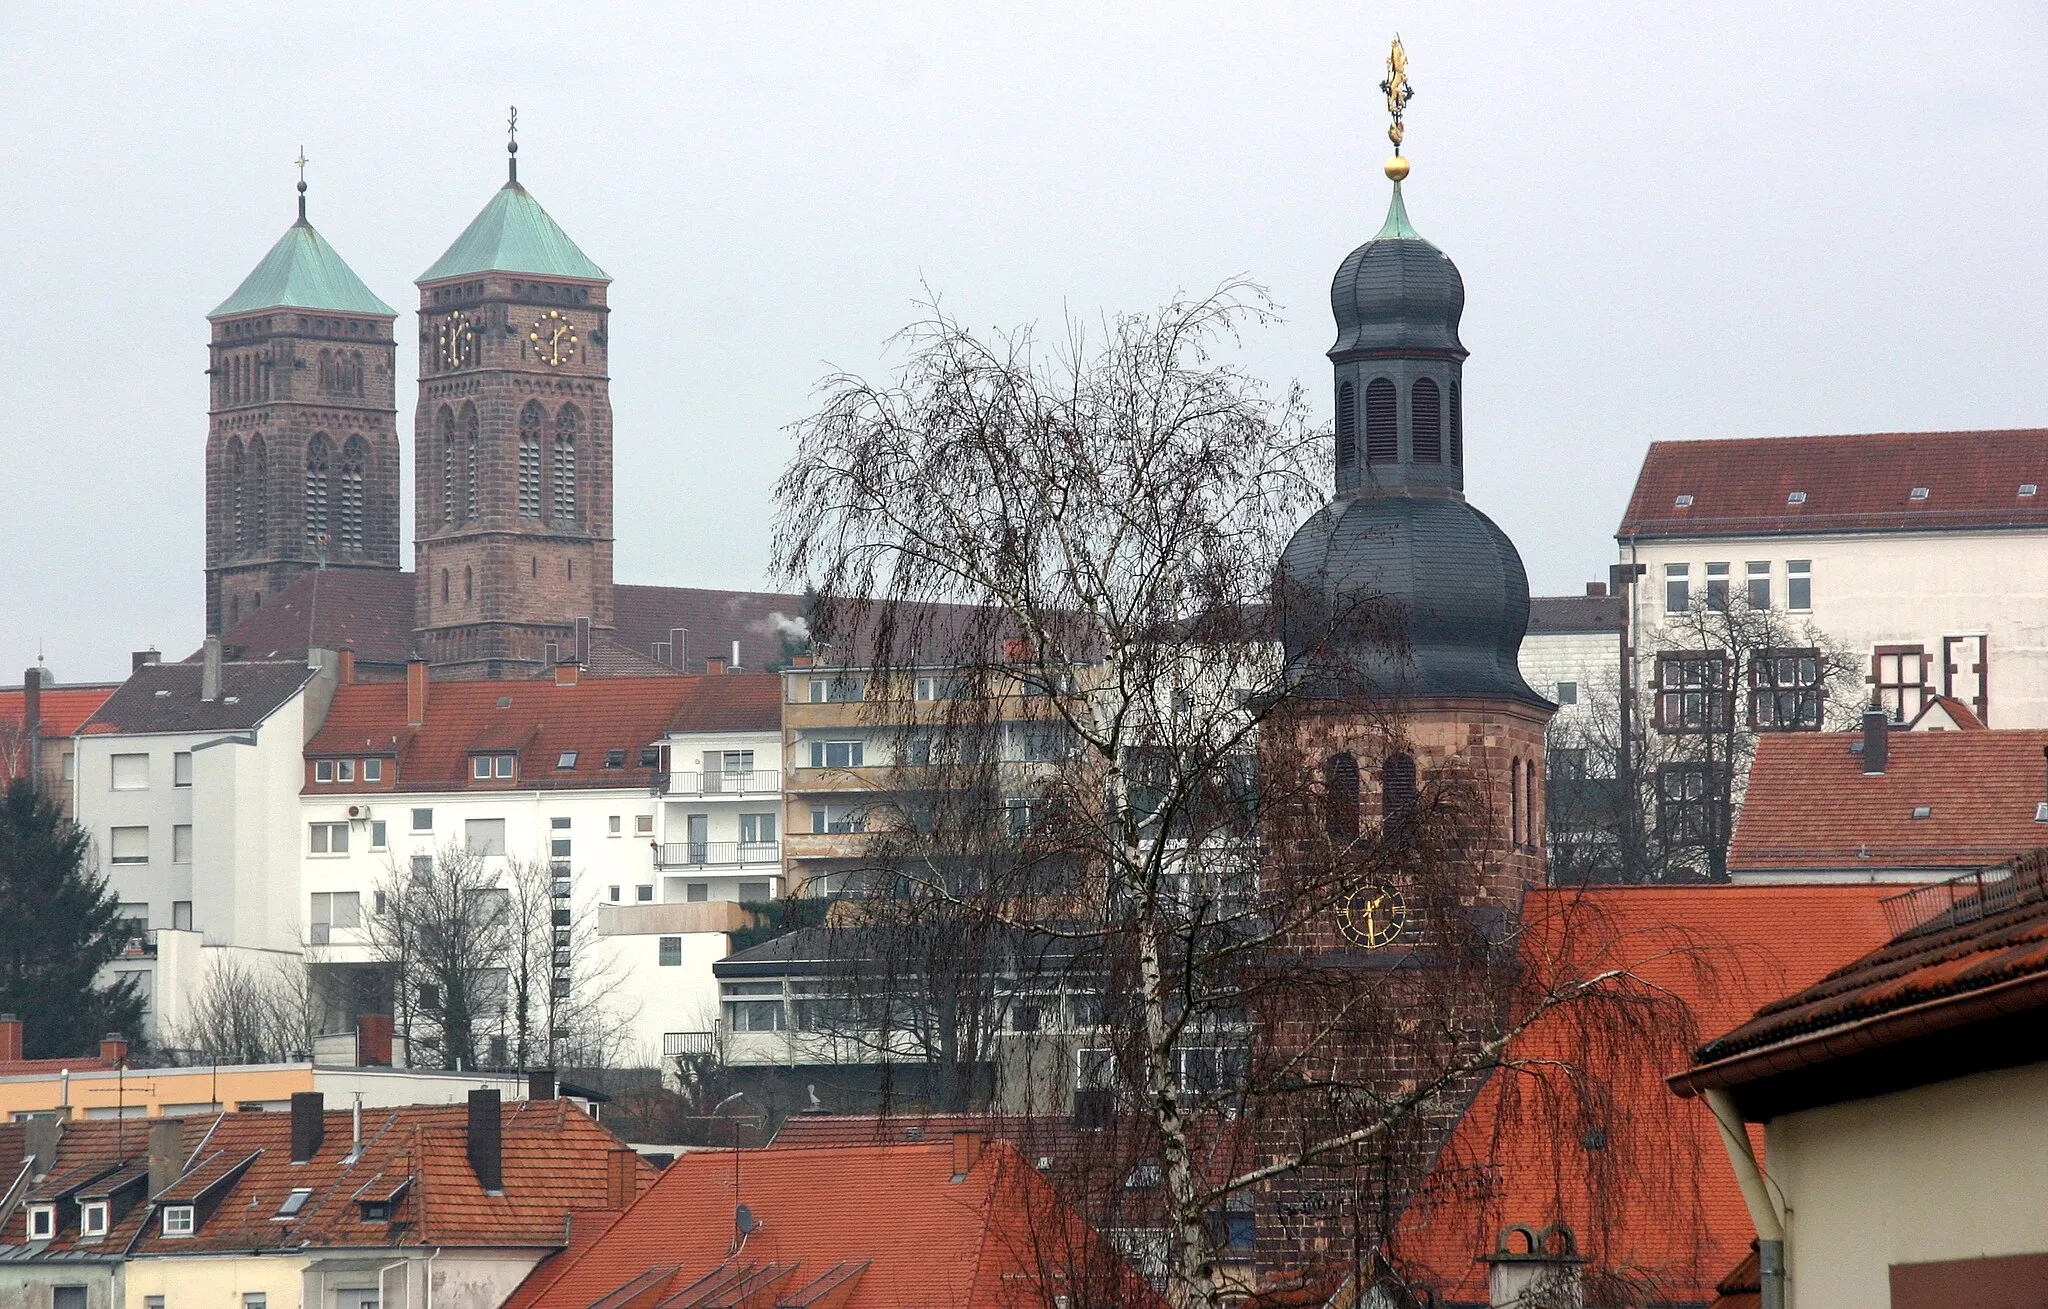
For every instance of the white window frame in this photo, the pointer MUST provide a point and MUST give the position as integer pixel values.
(1796, 572)
(643, 825)
(114, 854)
(373, 770)
(42, 1222)
(323, 772)
(115, 769)
(344, 770)
(855, 754)
(181, 768)
(414, 819)
(181, 843)
(320, 840)
(380, 834)
(178, 1220)
(93, 1218)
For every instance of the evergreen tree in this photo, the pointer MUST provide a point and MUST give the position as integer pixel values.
(59, 926)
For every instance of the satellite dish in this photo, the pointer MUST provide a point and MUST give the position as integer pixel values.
(743, 1219)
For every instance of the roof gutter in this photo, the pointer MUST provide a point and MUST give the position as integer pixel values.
(1943, 1014)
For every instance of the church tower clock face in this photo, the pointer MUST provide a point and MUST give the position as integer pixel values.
(1372, 916)
(457, 344)
(553, 338)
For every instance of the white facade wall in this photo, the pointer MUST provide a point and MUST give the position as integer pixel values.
(1891, 588)
(721, 824)
(1588, 663)
(228, 875)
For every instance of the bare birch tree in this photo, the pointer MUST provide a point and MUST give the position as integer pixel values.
(248, 1013)
(1076, 549)
(445, 929)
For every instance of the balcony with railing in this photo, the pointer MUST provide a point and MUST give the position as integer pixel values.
(680, 1044)
(760, 781)
(712, 854)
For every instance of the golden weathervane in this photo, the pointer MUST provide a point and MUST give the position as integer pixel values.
(1399, 93)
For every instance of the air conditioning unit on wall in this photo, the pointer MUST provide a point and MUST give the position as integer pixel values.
(359, 813)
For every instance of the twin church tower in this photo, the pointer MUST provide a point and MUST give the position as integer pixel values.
(512, 448)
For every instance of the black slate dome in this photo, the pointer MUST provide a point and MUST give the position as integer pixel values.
(1397, 292)
(1398, 587)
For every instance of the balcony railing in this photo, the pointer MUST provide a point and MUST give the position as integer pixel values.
(674, 1044)
(700, 854)
(758, 782)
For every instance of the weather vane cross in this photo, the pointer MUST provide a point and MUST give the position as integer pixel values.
(301, 161)
(1398, 91)
(512, 128)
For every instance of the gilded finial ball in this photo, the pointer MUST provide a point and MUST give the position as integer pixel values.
(1397, 167)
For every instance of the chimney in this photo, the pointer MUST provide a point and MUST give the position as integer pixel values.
(486, 1143)
(1875, 725)
(209, 674)
(415, 692)
(31, 707)
(621, 1178)
(1597, 590)
(113, 1049)
(801, 661)
(166, 1153)
(373, 1040)
(678, 645)
(714, 666)
(735, 654)
(143, 658)
(567, 674)
(1534, 1267)
(966, 1149)
(540, 1084)
(309, 1124)
(10, 1039)
(44, 1131)
(582, 641)
(346, 673)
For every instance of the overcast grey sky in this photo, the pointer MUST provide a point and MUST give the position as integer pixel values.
(1695, 221)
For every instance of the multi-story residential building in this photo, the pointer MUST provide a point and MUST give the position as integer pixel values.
(1576, 650)
(1925, 554)
(350, 1208)
(648, 866)
(186, 783)
(37, 720)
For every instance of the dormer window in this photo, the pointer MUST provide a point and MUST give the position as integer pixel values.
(486, 767)
(1919, 493)
(92, 1218)
(178, 1220)
(376, 1211)
(42, 1222)
(294, 1202)
(323, 770)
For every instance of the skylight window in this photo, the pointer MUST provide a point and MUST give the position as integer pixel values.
(294, 1202)
(615, 759)
(2029, 489)
(1923, 811)
(1796, 498)
(1919, 493)
(567, 759)
(1683, 502)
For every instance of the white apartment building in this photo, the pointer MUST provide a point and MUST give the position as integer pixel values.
(186, 782)
(1925, 553)
(573, 773)
(1575, 653)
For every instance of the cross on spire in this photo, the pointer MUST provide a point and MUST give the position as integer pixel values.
(301, 162)
(1398, 93)
(512, 145)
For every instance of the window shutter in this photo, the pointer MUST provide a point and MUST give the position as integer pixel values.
(1347, 425)
(1426, 412)
(1382, 433)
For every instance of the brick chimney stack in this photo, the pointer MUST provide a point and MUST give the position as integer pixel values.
(10, 1039)
(209, 674)
(486, 1141)
(415, 692)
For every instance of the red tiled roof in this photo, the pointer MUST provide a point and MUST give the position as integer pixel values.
(64, 709)
(1743, 1287)
(1985, 937)
(1851, 484)
(734, 702)
(1718, 949)
(894, 1213)
(540, 719)
(238, 1167)
(1810, 808)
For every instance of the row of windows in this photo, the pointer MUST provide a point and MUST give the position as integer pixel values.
(244, 380)
(345, 770)
(1400, 791)
(461, 464)
(130, 772)
(130, 845)
(1435, 428)
(341, 372)
(480, 835)
(1678, 584)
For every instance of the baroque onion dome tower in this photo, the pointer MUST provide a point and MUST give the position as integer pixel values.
(302, 457)
(1402, 611)
(512, 443)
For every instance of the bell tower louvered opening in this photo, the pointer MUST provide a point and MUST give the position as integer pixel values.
(1426, 411)
(1382, 425)
(1347, 425)
(1457, 426)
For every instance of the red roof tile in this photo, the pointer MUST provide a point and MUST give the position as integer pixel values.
(541, 720)
(1987, 933)
(1718, 949)
(894, 1213)
(1850, 483)
(1810, 808)
(64, 709)
(734, 702)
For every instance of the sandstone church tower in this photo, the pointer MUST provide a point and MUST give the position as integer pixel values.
(512, 444)
(1402, 609)
(302, 456)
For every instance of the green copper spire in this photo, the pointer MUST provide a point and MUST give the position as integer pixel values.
(1397, 224)
(302, 271)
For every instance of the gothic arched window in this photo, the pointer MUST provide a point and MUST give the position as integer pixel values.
(1457, 426)
(1347, 425)
(1514, 802)
(471, 456)
(1340, 797)
(237, 516)
(1426, 412)
(329, 381)
(1382, 426)
(355, 373)
(566, 424)
(352, 460)
(1535, 820)
(444, 586)
(447, 426)
(468, 582)
(319, 468)
(256, 499)
(1399, 792)
(530, 421)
